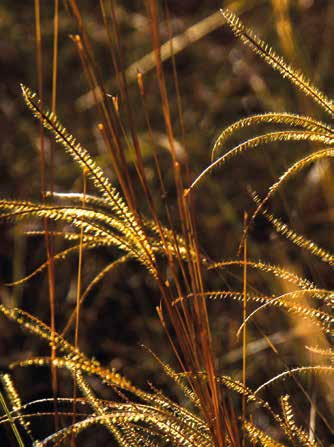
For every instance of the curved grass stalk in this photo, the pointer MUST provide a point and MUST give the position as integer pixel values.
(320, 318)
(296, 77)
(239, 388)
(21, 210)
(135, 431)
(230, 383)
(289, 119)
(314, 313)
(277, 271)
(46, 400)
(37, 327)
(252, 143)
(57, 257)
(66, 213)
(71, 236)
(318, 369)
(160, 425)
(99, 226)
(91, 367)
(28, 416)
(61, 400)
(78, 152)
(76, 359)
(97, 407)
(182, 425)
(175, 240)
(329, 352)
(297, 433)
(222, 295)
(92, 284)
(291, 171)
(90, 242)
(159, 404)
(80, 219)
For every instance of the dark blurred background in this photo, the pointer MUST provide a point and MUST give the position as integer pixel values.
(220, 82)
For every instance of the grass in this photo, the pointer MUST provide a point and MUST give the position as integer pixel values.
(157, 228)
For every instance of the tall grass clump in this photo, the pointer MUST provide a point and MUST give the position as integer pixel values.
(154, 227)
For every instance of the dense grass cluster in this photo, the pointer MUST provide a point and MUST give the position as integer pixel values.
(156, 228)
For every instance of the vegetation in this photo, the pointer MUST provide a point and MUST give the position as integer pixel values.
(148, 216)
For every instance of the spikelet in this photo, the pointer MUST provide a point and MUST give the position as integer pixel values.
(299, 239)
(157, 424)
(177, 378)
(230, 383)
(288, 119)
(79, 154)
(261, 48)
(83, 158)
(288, 416)
(163, 402)
(258, 436)
(37, 327)
(20, 210)
(73, 430)
(174, 241)
(304, 439)
(290, 427)
(243, 390)
(98, 225)
(329, 352)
